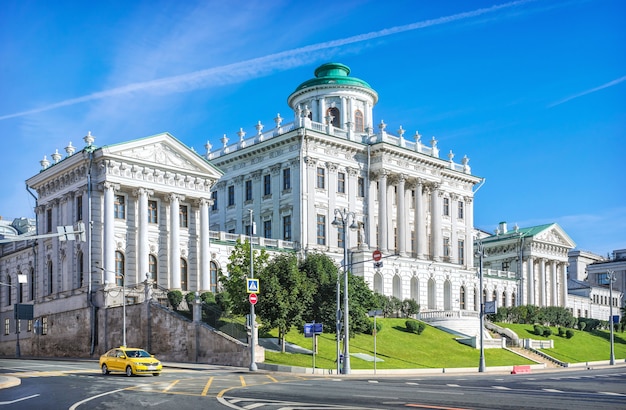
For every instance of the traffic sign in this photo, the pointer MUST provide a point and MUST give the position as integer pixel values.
(252, 285)
(377, 255)
(253, 298)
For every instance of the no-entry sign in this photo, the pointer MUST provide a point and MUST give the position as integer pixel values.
(253, 298)
(377, 255)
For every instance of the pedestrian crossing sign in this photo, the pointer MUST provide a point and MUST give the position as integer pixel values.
(252, 285)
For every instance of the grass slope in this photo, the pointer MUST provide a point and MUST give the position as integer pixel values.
(398, 348)
(583, 347)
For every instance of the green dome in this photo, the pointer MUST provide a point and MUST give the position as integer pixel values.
(333, 73)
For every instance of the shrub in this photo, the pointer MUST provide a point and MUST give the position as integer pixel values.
(547, 332)
(420, 328)
(581, 325)
(370, 329)
(561, 332)
(538, 330)
(413, 326)
(189, 298)
(175, 297)
(569, 333)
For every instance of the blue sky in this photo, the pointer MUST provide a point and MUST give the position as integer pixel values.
(533, 92)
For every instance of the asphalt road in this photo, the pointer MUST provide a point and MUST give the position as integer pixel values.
(79, 385)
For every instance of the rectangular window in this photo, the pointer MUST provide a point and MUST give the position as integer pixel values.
(7, 326)
(267, 229)
(249, 190)
(153, 212)
(446, 206)
(119, 207)
(287, 228)
(286, 179)
(321, 178)
(461, 257)
(48, 220)
(361, 187)
(603, 278)
(79, 208)
(267, 184)
(231, 195)
(340, 233)
(341, 182)
(183, 216)
(461, 204)
(321, 230)
(44, 325)
(446, 247)
(214, 200)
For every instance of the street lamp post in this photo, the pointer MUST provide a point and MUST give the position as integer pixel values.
(342, 218)
(253, 366)
(481, 254)
(611, 277)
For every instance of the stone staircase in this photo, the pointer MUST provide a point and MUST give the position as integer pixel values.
(533, 356)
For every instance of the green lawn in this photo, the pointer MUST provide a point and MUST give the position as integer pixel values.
(398, 348)
(583, 347)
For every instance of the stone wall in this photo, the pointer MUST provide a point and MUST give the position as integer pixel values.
(166, 334)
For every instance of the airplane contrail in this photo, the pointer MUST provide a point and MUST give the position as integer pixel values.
(259, 66)
(593, 90)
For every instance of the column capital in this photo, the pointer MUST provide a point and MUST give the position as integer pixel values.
(175, 197)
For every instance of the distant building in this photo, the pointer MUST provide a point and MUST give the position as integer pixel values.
(541, 276)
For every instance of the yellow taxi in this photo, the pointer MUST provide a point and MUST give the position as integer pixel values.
(130, 360)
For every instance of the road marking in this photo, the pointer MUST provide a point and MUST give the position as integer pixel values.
(75, 405)
(172, 384)
(413, 383)
(552, 390)
(426, 406)
(501, 387)
(610, 393)
(243, 381)
(2, 403)
(372, 381)
(206, 386)
(271, 378)
(452, 385)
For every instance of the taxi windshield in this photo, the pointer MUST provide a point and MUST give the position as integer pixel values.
(137, 353)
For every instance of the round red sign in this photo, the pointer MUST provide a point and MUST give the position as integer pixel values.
(377, 255)
(253, 298)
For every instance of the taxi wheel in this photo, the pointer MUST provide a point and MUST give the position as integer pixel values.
(105, 369)
(156, 374)
(129, 371)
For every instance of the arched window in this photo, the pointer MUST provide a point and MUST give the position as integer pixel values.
(432, 294)
(513, 300)
(213, 277)
(334, 111)
(494, 295)
(447, 295)
(49, 288)
(476, 302)
(503, 299)
(183, 275)
(359, 125)
(152, 267)
(9, 290)
(462, 298)
(80, 269)
(31, 284)
(484, 295)
(415, 289)
(378, 283)
(397, 287)
(119, 268)
(19, 289)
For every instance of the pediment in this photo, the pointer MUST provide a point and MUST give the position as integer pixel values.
(163, 151)
(555, 235)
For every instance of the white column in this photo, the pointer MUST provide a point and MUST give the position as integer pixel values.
(344, 113)
(371, 193)
(109, 233)
(454, 213)
(420, 221)
(401, 220)
(554, 298)
(563, 284)
(311, 213)
(531, 280)
(542, 282)
(142, 238)
(174, 250)
(276, 223)
(205, 249)
(382, 212)
(469, 231)
(435, 222)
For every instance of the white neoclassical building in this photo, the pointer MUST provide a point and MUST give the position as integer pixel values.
(330, 158)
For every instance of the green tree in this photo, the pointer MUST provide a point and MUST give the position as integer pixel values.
(321, 274)
(410, 307)
(360, 301)
(285, 295)
(238, 269)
